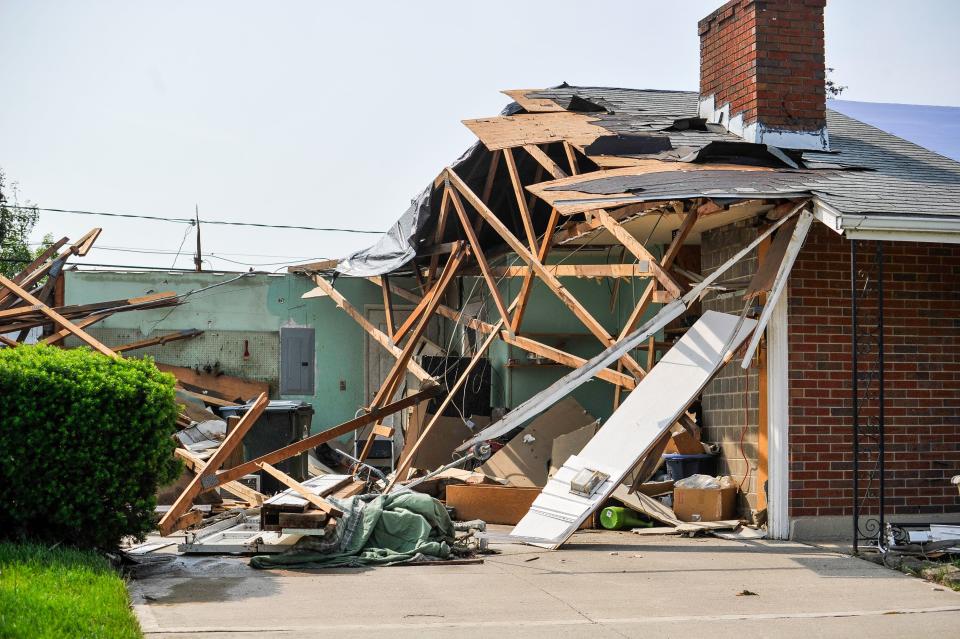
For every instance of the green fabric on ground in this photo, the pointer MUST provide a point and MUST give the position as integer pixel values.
(386, 530)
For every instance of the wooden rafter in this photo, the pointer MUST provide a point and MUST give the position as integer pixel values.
(315, 440)
(55, 317)
(378, 336)
(159, 340)
(552, 282)
(196, 486)
(521, 198)
(394, 377)
(577, 270)
(479, 256)
(545, 161)
(524, 343)
(639, 251)
(387, 305)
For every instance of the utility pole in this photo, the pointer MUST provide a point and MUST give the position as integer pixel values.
(198, 258)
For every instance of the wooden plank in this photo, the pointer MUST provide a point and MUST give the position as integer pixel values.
(633, 245)
(159, 341)
(425, 433)
(319, 438)
(311, 267)
(227, 387)
(169, 521)
(527, 286)
(40, 259)
(387, 304)
(85, 322)
(242, 491)
(394, 377)
(571, 158)
(521, 198)
(316, 501)
(437, 237)
(479, 256)
(591, 271)
(552, 282)
(56, 317)
(378, 336)
(545, 161)
(524, 343)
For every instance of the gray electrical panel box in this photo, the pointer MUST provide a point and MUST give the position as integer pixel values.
(297, 351)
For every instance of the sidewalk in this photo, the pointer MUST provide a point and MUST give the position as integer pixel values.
(602, 584)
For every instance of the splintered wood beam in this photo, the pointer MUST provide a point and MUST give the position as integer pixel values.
(552, 282)
(319, 438)
(41, 259)
(160, 340)
(480, 257)
(387, 305)
(639, 251)
(56, 317)
(316, 501)
(378, 336)
(395, 376)
(82, 246)
(549, 165)
(523, 343)
(185, 500)
(521, 199)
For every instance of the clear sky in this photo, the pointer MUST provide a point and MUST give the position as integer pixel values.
(336, 114)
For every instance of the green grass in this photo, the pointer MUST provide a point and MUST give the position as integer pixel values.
(61, 593)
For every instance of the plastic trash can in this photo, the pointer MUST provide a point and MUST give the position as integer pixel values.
(283, 422)
(682, 466)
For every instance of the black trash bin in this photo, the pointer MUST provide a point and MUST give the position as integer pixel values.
(682, 466)
(283, 422)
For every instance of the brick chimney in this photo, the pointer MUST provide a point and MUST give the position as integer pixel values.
(762, 71)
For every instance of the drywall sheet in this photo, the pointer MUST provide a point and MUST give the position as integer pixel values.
(524, 462)
(633, 429)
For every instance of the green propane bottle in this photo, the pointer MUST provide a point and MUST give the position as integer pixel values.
(618, 518)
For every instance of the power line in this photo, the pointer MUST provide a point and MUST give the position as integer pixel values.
(192, 222)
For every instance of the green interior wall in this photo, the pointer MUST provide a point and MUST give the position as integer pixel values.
(546, 314)
(253, 304)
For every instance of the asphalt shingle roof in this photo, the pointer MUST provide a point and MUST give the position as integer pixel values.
(900, 177)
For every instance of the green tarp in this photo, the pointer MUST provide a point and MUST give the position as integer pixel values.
(388, 529)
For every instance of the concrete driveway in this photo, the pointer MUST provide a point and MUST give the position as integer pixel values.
(602, 584)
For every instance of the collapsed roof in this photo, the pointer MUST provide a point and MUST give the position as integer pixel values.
(645, 146)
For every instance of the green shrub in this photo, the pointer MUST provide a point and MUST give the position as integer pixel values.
(84, 441)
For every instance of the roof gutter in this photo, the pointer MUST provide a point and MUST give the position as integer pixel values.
(890, 228)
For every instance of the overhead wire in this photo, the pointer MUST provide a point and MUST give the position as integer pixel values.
(192, 222)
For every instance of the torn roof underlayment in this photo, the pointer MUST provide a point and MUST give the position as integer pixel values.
(869, 182)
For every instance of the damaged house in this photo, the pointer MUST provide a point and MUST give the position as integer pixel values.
(737, 275)
(748, 264)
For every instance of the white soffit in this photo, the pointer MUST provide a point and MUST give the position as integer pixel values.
(890, 228)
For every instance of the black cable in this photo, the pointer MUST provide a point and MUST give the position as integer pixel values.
(192, 222)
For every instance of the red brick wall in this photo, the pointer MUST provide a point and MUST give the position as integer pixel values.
(922, 333)
(766, 59)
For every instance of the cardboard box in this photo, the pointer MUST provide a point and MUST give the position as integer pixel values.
(705, 504)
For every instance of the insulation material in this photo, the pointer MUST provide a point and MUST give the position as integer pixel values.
(631, 432)
(525, 461)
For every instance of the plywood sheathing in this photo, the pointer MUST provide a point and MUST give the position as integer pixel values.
(504, 132)
(532, 105)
